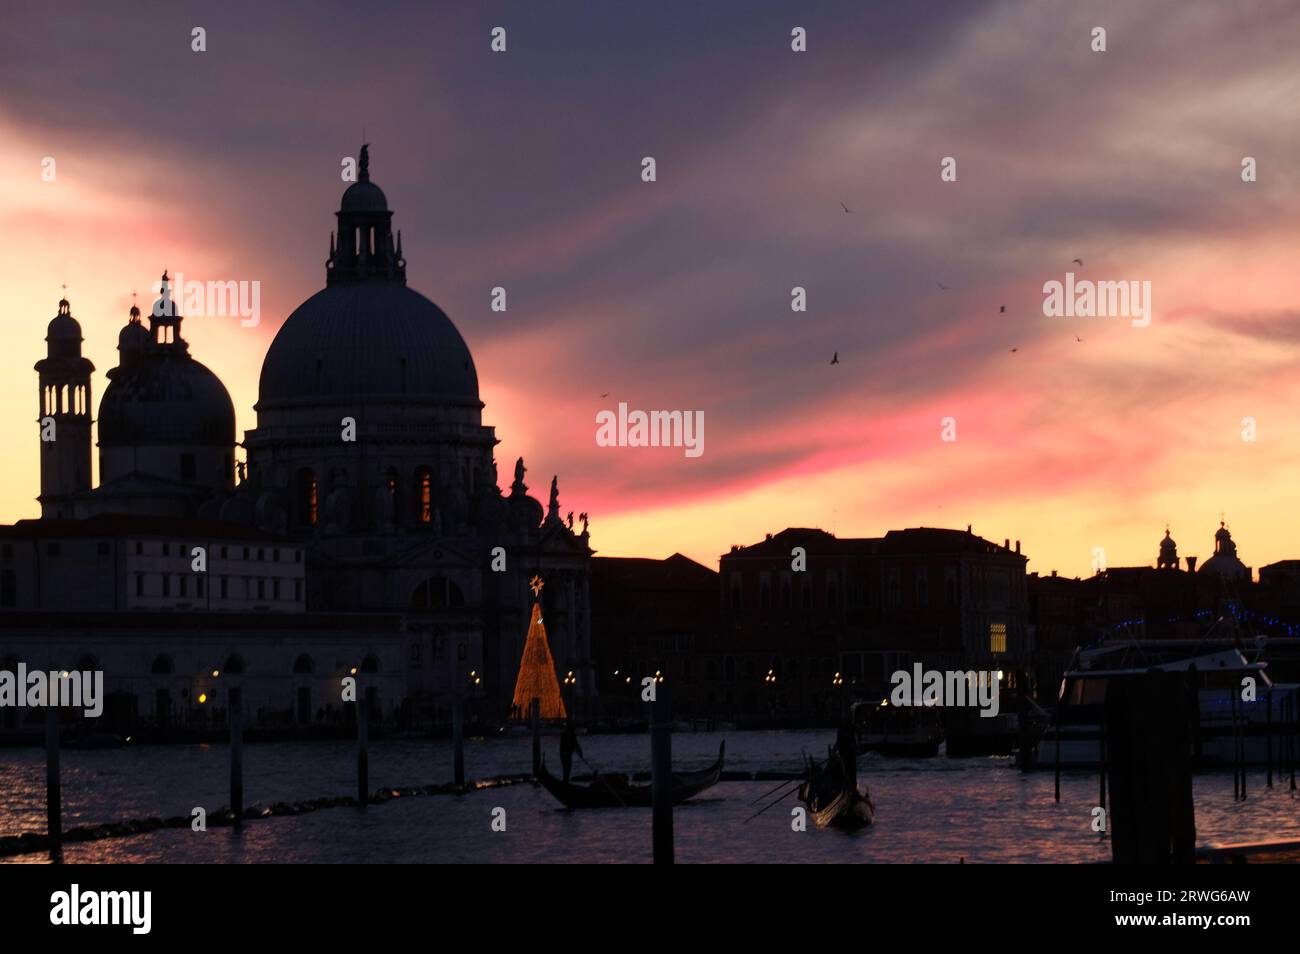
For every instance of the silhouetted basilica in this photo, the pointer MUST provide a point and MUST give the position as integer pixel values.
(367, 531)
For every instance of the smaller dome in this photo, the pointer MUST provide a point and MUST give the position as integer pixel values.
(1222, 533)
(1168, 542)
(134, 336)
(63, 327)
(364, 196)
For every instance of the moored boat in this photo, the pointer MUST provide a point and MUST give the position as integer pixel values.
(613, 791)
(834, 799)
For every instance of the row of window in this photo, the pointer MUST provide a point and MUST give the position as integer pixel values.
(307, 494)
(163, 665)
(103, 547)
(252, 586)
(183, 551)
(69, 399)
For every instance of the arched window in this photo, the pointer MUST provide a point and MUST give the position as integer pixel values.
(437, 592)
(162, 665)
(8, 588)
(370, 663)
(304, 664)
(306, 497)
(424, 495)
(235, 664)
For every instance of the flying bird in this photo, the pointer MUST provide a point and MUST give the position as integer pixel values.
(846, 209)
(1002, 310)
(942, 286)
(1078, 339)
(605, 395)
(1076, 261)
(1014, 350)
(835, 358)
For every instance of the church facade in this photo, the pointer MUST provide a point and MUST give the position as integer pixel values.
(369, 504)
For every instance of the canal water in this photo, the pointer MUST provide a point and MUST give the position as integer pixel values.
(928, 810)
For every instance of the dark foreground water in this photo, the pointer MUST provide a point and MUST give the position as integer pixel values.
(928, 810)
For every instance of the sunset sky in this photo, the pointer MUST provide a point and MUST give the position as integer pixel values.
(522, 170)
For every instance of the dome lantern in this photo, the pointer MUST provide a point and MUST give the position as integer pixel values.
(364, 251)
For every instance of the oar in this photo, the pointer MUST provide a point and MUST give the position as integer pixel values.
(782, 785)
(773, 805)
(599, 775)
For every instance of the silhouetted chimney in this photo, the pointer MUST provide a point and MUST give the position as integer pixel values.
(1017, 546)
(1053, 574)
(1006, 544)
(1191, 564)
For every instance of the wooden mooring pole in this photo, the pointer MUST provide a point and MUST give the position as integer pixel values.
(661, 766)
(458, 739)
(53, 787)
(535, 714)
(1152, 817)
(1268, 737)
(236, 718)
(363, 755)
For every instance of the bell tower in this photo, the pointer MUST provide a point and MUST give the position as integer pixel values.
(63, 416)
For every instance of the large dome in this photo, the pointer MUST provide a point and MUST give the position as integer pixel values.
(369, 340)
(167, 399)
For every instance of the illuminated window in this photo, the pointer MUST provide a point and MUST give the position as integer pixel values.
(424, 489)
(306, 504)
(997, 637)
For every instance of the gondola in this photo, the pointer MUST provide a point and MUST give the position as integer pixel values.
(613, 790)
(833, 799)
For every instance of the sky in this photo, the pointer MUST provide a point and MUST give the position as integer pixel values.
(523, 169)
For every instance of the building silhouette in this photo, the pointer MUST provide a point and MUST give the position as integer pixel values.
(369, 511)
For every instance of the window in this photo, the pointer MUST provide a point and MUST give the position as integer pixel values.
(185, 585)
(198, 587)
(437, 592)
(225, 587)
(997, 637)
(7, 551)
(261, 589)
(167, 549)
(306, 491)
(225, 553)
(102, 548)
(424, 495)
(893, 589)
(417, 656)
(275, 589)
(8, 588)
(297, 590)
(139, 584)
(52, 549)
(922, 588)
(139, 548)
(187, 466)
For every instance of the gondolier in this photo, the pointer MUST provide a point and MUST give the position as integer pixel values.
(569, 745)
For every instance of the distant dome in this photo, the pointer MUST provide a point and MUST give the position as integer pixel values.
(1168, 542)
(367, 340)
(134, 336)
(364, 197)
(166, 399)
